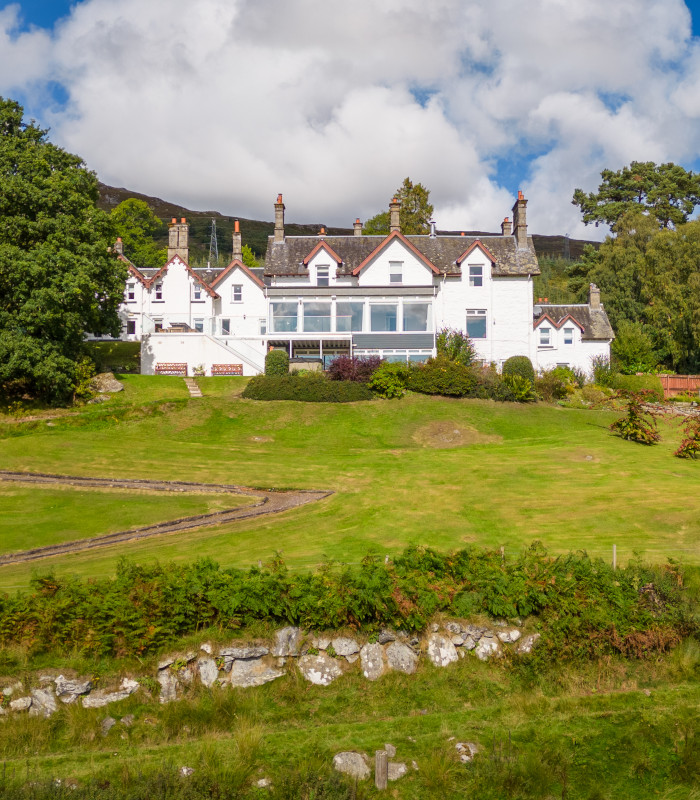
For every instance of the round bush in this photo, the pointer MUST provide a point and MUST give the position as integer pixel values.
(277, 362)
(519, 365)
(442, 376)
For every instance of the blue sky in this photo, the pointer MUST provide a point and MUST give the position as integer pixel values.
(222, 104)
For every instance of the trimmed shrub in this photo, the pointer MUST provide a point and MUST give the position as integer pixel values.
(519, 365)
(277, 362)
(390, 379)
(639, 383)
(445, 377)
(350, 368)
(305, 388)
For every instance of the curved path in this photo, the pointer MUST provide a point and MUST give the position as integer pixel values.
(270, 501)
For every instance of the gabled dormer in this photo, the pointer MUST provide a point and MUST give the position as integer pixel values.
(476, 264)
(323, 264)
(395, 262)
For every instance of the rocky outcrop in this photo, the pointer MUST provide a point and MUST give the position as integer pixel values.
(321, 660)
(402, 658)
(356, 765)
(320, 670)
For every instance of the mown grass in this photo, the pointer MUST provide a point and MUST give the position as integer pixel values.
(518, 473)
(40, 515)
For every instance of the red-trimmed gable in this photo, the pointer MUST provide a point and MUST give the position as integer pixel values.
(559, 324)
(323, 246)
(473, 246)
(188, 269)
(389, 239)
(132, 270)
(232, 267)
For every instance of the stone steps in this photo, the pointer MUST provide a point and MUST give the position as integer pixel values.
(192, 387)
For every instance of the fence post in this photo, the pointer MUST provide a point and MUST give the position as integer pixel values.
(503, 555)
(614, 556)
(381, 769)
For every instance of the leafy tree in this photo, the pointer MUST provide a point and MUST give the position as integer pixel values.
(667, 192)
(136, 224)
(650, 276)
(57, 276)
(415, 215)
(249, 258)
(633, 348)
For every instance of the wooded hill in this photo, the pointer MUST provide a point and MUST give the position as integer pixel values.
(255, 232)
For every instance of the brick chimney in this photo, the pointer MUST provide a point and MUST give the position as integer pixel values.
(520, 221)
(237, 244)
(357, 227)
(505, 227)
(279, 219)
(394, 215)
(178, 239)
(594, 297)
(119, 246)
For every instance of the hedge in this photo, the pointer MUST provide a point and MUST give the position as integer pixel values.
(637, 383)
(584, 608)
(309, 389)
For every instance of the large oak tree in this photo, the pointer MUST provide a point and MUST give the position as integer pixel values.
(58, 278)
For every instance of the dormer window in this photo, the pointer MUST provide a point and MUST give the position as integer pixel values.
(322, 278)
(545, 337)
(568, 335)
(396, 272)
(159, 291)
(476, 275)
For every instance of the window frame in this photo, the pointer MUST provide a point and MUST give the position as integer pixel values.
(197, 292)
(225, 322)
(158, 288)
(568, 335)
(396, 271)
(130, 292)
(544, 337)
(323, 275)
(477, 314)
(476, 279)
(131, 327)
(236, 289)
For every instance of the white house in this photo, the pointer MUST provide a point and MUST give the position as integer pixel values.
(321, 296)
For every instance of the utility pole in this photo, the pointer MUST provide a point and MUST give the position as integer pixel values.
(213, 246)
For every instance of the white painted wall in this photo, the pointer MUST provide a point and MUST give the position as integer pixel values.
(197, 349)
(578, 354)
(245, 315)
(415, 273)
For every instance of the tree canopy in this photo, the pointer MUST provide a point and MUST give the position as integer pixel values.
(136, 224)
(58, 279)
(415, 215)
(649, 279)
(667, 192)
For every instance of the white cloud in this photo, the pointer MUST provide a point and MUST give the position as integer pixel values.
(224, 103)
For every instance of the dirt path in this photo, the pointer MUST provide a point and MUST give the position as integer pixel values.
(270, 501)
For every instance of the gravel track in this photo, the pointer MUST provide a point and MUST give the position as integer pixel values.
(270, 501)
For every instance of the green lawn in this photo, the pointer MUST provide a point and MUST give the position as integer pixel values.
(37, 516)
(400, 474)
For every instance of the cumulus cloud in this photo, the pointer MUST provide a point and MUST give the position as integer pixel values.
(221, 104)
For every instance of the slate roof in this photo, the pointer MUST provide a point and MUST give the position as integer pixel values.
(287, 258)
(595, 324)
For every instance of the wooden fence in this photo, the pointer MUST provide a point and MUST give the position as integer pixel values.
(676, 384)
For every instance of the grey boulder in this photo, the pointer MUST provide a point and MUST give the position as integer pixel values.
(401, 658)
(320, 670)
(441, 651)
(372, 661)
(356, 765)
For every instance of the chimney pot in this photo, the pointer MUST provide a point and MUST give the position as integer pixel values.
(174, 221)
(462, 233)
(279, 220)
(322, 232)
(394, 216)
(546, 299)
(237, 226)
(183, 221)
(505, 227)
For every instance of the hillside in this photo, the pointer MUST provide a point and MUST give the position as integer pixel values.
(255, 232)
